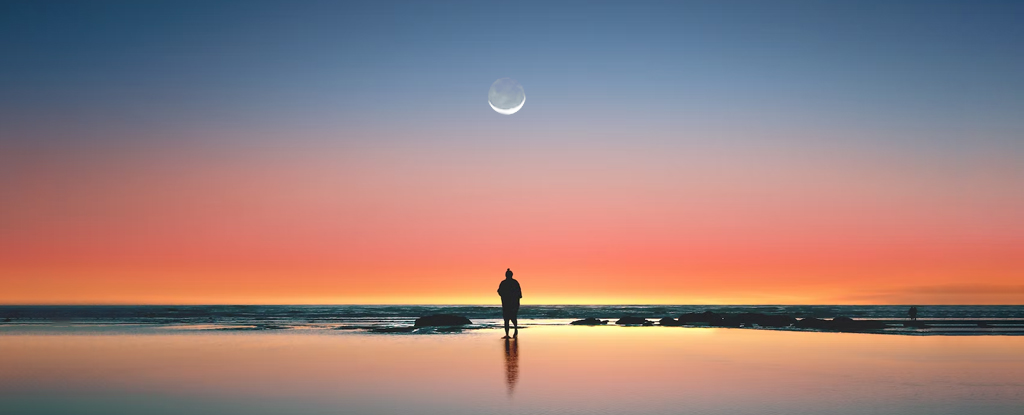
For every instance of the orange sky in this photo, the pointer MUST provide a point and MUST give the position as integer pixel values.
(436, 224)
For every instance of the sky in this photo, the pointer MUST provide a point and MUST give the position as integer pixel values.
(685, 152)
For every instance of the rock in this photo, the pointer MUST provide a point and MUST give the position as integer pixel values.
(634, 321)
(705, 317)
(589, 322)
(442, 320)
(849, 324)
(689, 318)
(727, 320)
(738, 320)
(871, 325)
(669, 321)
(840, 324)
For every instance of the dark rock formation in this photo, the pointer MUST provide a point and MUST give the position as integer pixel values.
(871, 325)
(840, 324)
(634, 321)
(589, 322)
(727, 320)
(737, 320)
(705, 317)
(442, 320)
(849, 324)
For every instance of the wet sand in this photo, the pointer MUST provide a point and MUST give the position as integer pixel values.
(548, 370)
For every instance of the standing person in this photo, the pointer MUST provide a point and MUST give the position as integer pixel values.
(510, 293)
(912, 313)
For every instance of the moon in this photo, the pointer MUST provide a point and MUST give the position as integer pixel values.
(508, 111)
(506, 96)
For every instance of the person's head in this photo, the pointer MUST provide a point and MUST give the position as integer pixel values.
(508, 273)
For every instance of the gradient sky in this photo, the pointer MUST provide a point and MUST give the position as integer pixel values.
(677, 152)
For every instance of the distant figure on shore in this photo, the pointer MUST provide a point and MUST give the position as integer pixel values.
(510, 293)
(912, 313)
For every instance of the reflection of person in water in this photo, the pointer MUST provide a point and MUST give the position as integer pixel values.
(510, 293)
(511, 364)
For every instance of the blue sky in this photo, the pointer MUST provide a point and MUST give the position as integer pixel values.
(925, 65)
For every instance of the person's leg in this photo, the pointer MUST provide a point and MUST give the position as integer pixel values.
(515, 318)
(506, 327)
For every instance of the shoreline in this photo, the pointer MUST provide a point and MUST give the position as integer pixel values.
(931, 327)
(933, 320)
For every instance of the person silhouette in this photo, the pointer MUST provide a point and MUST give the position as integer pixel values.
(912, 313)
(510, 293)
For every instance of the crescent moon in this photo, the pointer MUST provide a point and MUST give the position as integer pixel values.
(509, 111)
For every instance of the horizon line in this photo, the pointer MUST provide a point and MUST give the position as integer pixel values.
(486, 305)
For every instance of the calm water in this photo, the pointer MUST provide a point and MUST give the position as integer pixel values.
(550, 369)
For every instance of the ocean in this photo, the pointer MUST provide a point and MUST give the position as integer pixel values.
(358, 317)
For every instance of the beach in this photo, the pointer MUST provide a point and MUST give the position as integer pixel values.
(99, 368)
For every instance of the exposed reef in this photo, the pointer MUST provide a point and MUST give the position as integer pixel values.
(441, 320)
(836, 324)
(734, 320)
(590, 321)
(634, 321)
